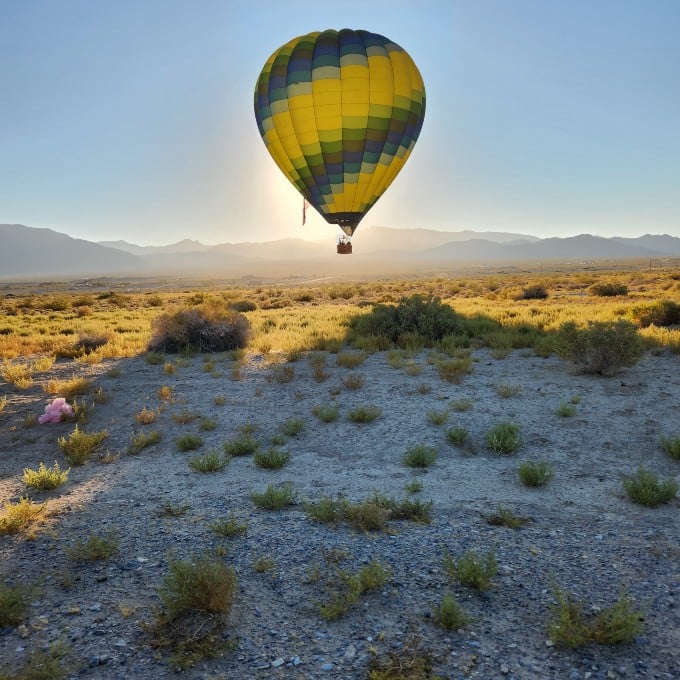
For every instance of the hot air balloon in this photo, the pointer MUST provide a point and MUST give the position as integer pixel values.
(340, 112)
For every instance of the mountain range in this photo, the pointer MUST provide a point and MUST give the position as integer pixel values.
(28, 252)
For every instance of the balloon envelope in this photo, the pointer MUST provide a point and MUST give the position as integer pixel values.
(340, 111)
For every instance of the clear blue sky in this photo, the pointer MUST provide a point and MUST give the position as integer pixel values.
(133, 119)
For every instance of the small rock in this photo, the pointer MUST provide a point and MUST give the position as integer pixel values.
(277, 662)
(350, 652)
(549, 643)
(327, 667)
(120, 643)
(505, 669)
(295, 661)
(96, 607)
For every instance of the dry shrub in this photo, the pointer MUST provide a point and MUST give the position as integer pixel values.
(210, 327)
(603, 347)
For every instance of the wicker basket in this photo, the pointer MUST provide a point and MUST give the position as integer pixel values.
(344, 248)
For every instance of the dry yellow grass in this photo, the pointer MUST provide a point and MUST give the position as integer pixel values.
(290, 319)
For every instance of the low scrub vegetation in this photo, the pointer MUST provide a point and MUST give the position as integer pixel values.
(241, 446)
(503, 439)
(95, 548)
(645, 488)
(79, 445)
(420, 456)
(608, 289)
(569, 626)
(274, 497)
(14, 602)
(371, 514)
(347, 588)
(211, 461)
(189, 442)
(16, 517)
(209, 327)
(449, 614)
(504, 517)
(416, 316)
(271, 459)
(197, 595)
(602, 347)
(327, 413)
(535, 473)
(671, 445)
(472, 569)
(364, 414)
(44, 478)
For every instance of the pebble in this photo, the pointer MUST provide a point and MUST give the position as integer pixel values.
(327, 667)
(278, 662)
(505, 669)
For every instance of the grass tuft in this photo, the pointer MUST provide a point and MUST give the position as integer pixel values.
(14, 602)
(78, 446)
(504, 517)
(328, 413)
(211, 461)
(472, 569)
(293, 426)
(364, 414)
(189, 442)
(420, 456)
(535, 473)
(45, 478)
(274, 497)
(271, 459)
(449, 614)
(645, 488)
(96, 548)
(568, 626)
(503, 439)
(671, 445)
(142, 440)
(241, 446)
(229, 527)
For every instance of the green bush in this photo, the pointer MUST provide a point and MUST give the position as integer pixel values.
(645, 488)
(420, 456)
(534, 292)
(603, 347)
(416, 316)
(472, 569)
(569, 626)
(535, 473)
(661, 313)
(503, 438)
(671, 445)
(608, 289)
(449, 614)
(210, 327)
(14, 602)
(242, 306)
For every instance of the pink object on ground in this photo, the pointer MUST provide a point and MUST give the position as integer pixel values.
(55, 411)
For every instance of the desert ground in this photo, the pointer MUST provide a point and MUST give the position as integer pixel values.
(582, 535)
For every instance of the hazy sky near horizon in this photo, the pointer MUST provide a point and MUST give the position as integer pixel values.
(134, 119)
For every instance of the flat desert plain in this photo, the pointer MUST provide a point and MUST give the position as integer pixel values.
(582, 535)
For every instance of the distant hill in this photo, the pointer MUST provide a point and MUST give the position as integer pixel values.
(26, 252)
(583, 247)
